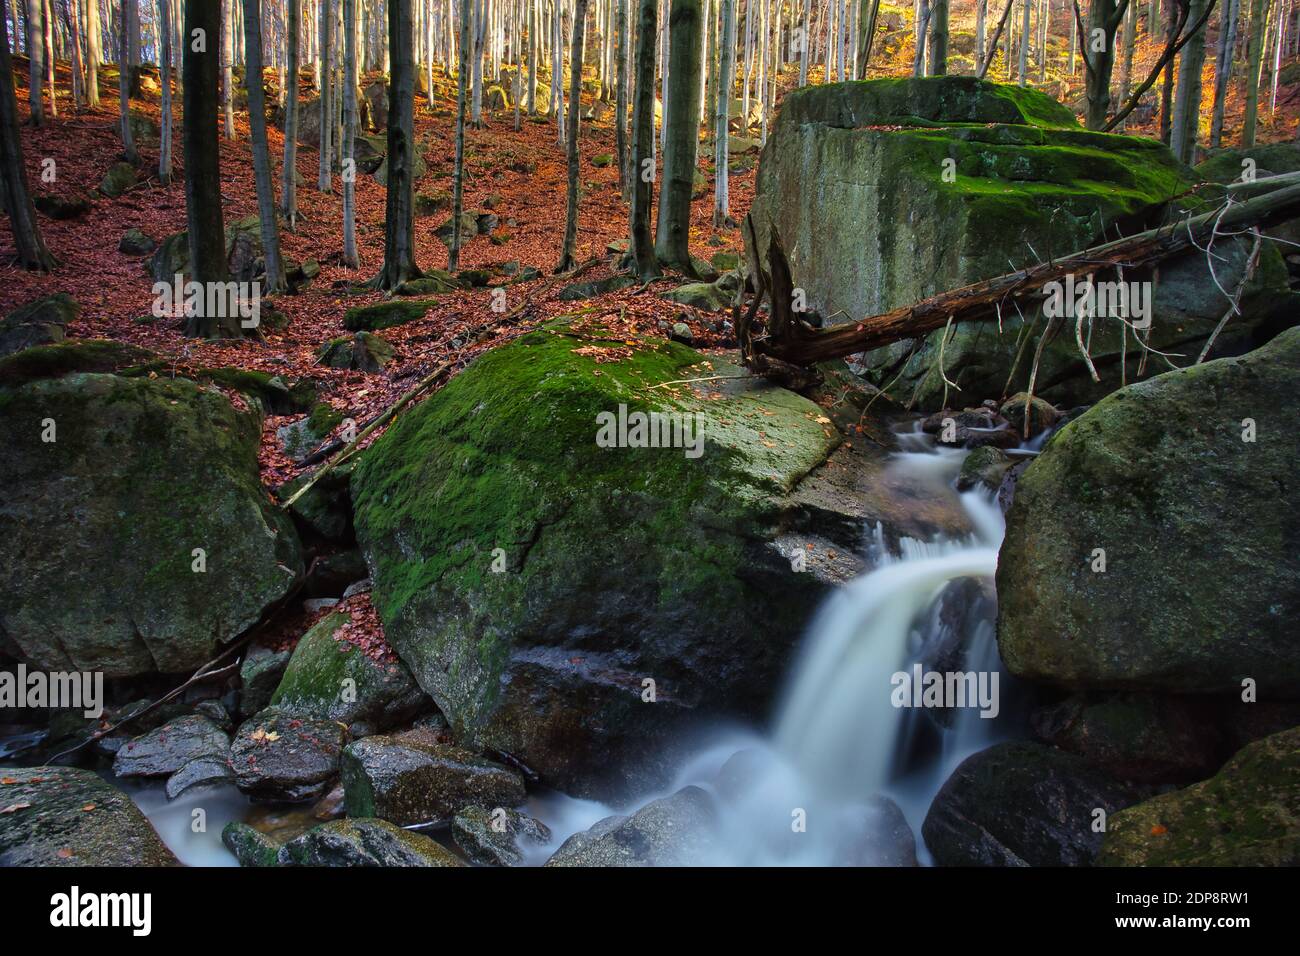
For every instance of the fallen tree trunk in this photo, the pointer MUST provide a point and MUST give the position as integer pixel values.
(784, 337)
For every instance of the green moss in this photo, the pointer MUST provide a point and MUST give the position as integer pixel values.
(324, 418)
(383, 315)
(79, 355)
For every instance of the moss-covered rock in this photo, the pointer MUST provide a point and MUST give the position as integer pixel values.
(1022, 804)
(135, 243)
(699, 295)
(884, 192)
(410, 781)
(302, 437)
(364, 843)
(985, 466)
(384, 315)
(1231, 165)
(162, 476)
(82, 355)
(678, 830)
(251, 847)
(243, 253)
(605, 554)
(62, 207)
(61, 816)
(326, 507)
(43, 321)
(119, 178)
(165, 750)
(1248, 814)
(330, 678)
(1202, 577)
(259, 675)
(493, 836)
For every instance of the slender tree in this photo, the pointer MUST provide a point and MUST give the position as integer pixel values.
(32, 253)
(939, 37)
(36, 60)
(681, 123)
(165, 74)
(1097, 47)
(206, 232)
(640, 239)
(124, 84)
(1026, 6)
(721, 115)
(458, 171)
(399, 214)
(1187, 101)
(1259, 11)
(1223, 67)
(567, 251)
(289, 174)
(93, 53)
(227, 67)
(620, 102)
(253, 81)
(323, 180)
(350, 257)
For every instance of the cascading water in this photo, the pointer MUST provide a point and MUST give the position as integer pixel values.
(839, 742)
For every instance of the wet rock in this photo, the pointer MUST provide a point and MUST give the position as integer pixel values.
(62, 816)
(984, 467)
(885, 839)
(329, 678)
(1152, 475)
(40, 322)
(1022, 804)
(384, 315)
(468, 228)
(492, 836)
(1248, 814)
(673, 831)
(326, 507)
(251, 847)
(410, 782)
(164, 751)
(364, 351)
(1041, 414)
(362, 842)
(300, 438)
(162, 476)
(1140, 737)
(259, 676)
(586, 290)
(281, 758)
(202, 772)
(331, 574)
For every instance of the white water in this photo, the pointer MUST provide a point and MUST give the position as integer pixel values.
(837, 739)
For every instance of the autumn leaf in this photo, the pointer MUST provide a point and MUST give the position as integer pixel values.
(1159, 830)
(14, 807)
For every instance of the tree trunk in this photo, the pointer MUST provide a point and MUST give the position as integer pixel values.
(32, 253)
(458, 172)
(253, 78)
(1097, 45)
(323, 181)
(350, 257)
(641, 250)
(124, 85)
(165, 74)
(399, 213)
(922, 28)
(289, 179)
(681, 122)
(722, 106)
(1187, 101)
(569, 249)
(93, 53)
(35, 60)
(206, 231)
(938, 37)
(1026, 8)
(620, 102)
(227, 67)
(867, 34)
(1254, 55)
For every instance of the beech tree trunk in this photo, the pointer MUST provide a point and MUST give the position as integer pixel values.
(641, 250)
(253, 77)
(36, 60)
(206, 230)
(1187, 101)
(165, 74)
(722, 108)
(124, 84)
(568, 250)
(323, 180)
(399, 213)
(1254, 57)
(93, 53)
(350, 257)
(289, 178)
(32, 253)
(458, 172)
(681, 125)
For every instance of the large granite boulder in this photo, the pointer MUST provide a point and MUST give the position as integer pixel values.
(40, 322)
(140, 497)
(884, 192)
(572, 604)
(1248, 814)
(1182, 482)
(62, 816)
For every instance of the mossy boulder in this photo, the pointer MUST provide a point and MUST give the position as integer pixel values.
(430, 204)
(329, 677)
(1022, 804)
(62, 207)
(1179, 480)
(302, 437)
(79, 355)
(410, 781)
(119, 178)
(135, 243)
(326, 507)
(1231, 165)
(364, 351)
(984, 467)
(699, 295)
(494, 836)
(384, 315)
(364, 843)
(162, 476)
(1248, 814)
(533, 634)
(167, 749)
(250, 847)
(281, 758)
(884, 192)
(259, 675)
(62, 816)
(243, 253)
(43, 321)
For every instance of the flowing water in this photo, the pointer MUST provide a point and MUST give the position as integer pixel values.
(837, 742)
(837, 738)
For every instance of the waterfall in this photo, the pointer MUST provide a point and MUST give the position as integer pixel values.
(838, 740)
